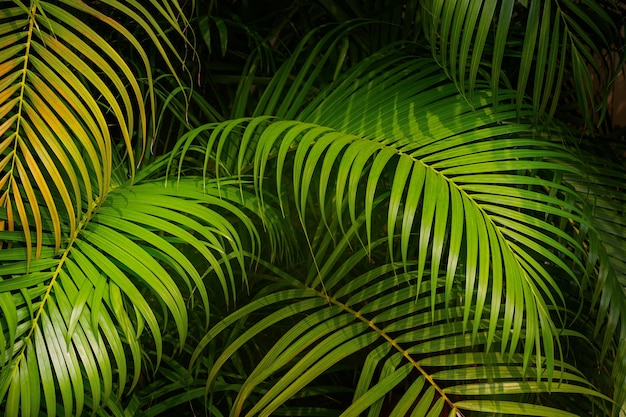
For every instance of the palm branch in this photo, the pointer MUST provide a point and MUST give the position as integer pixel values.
(470, 207)
(89, 265)
(536, 46)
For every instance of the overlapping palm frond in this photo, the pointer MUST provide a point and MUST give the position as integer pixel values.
(361, 219)
(470, 204)
(69, 321)
(536, 46)
(412, 357)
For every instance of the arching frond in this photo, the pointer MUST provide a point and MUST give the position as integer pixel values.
(410, 357)
(62, 84)
(537, 46)
(146, 257)
(470, 205)
(461, 186)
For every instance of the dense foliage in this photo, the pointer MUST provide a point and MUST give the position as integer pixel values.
(315, 208)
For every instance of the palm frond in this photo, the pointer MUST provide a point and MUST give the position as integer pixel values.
(57, 144)
(600, 188)
(145, 256)
(537, 45)
(419, 355)
(471, 201)
(466, 165)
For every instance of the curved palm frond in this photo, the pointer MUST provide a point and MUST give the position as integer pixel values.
(470, 199)
(57, 144)
(69, 321)
(545, 42)
(419, 353)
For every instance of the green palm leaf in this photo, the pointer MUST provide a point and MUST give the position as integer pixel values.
(470, 206)
(77, 315)
(486, 172)
(540, 43)
(380, 312)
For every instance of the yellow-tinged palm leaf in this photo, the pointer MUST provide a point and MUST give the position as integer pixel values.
(58, 79)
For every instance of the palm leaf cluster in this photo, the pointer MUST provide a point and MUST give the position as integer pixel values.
(551, 42)
(347, 225)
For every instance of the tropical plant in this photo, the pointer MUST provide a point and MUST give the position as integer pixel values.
(336, 221)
